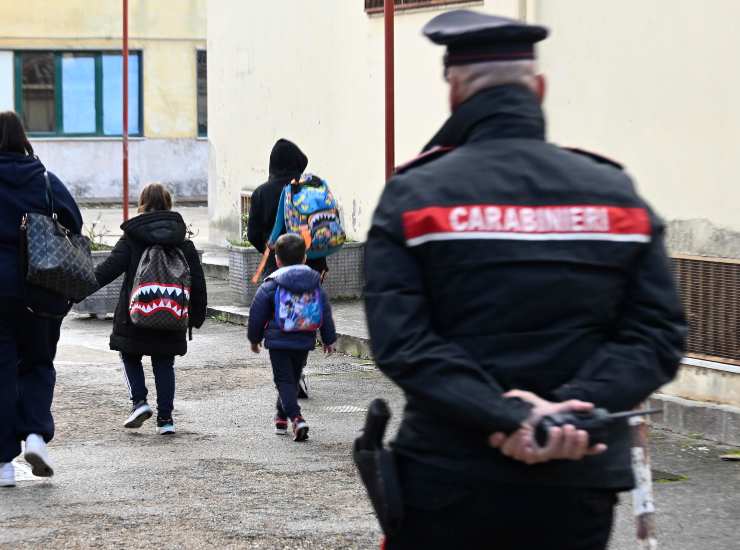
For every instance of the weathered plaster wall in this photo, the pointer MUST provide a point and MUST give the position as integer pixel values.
(169, 35)
(653, 85)
(313, 72)
(92, 168)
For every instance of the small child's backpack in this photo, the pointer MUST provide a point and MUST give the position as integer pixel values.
(298, 312)
(160, 295)
(309, 209)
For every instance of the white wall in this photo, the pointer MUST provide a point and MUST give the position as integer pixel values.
(92, 169)
(313, 72)
(655, 85)
(6, 81)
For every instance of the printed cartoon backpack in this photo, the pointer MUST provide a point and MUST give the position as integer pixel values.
(309, 209)
(160, 296)
(298, 311)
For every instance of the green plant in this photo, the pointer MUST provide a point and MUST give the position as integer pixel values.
(96, 232)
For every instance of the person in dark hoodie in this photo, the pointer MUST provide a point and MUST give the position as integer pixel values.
(30, 318)
(288, 309)
(287, 163)
(156, 224)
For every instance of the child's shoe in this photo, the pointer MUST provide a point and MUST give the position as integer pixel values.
(7, 474)
(140, 412)
(300, 429)
(281, 426)
(165, 426)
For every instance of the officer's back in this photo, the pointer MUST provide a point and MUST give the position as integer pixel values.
(498, 261)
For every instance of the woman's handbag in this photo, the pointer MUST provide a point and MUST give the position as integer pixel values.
(54, 258)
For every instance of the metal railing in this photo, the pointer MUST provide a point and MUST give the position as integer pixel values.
(376, 6)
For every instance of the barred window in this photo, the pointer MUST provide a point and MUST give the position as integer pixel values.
(376, 6)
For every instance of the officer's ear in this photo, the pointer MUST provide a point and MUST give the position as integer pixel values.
(540, 87)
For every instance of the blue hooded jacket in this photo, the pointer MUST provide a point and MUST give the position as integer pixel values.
(22, 190)
(296, 278)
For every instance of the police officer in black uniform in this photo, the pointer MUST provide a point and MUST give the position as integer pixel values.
(508, 278)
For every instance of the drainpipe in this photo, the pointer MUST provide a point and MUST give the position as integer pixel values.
(125, 110)
(390, 145)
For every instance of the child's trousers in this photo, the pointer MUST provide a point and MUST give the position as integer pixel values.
(164, 380)
(287, 367)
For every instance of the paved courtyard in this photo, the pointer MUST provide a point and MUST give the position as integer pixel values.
(225, 481)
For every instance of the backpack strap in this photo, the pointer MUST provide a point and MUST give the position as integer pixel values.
(279, 226)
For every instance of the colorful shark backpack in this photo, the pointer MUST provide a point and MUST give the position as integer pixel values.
(298, 311)
(160, 295)
(309, 209)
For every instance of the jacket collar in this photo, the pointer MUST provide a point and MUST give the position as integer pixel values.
(509, 111)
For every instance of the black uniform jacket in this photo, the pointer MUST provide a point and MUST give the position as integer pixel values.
(500, 261)
(141, 232)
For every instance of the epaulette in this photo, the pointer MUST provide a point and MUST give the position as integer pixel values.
(426, 156)
(595, 156)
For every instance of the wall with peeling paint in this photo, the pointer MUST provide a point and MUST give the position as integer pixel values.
(313, 72)
(654, 85)
(168, 34)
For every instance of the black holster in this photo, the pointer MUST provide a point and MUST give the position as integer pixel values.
(377, 467)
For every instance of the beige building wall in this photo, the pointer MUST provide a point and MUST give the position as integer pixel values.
(168, 33)
(655, 86)
(313, 72)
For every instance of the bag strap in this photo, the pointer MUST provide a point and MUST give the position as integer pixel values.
(49, 195)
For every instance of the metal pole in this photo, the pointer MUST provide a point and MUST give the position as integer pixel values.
(125, 110)
(390, 141)
(642, 495)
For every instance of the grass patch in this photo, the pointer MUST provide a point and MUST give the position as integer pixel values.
(660, 476)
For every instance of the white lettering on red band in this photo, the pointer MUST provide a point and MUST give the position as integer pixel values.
(530, 223)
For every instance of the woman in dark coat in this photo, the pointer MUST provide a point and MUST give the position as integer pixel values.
(30, 318)
(155, 225)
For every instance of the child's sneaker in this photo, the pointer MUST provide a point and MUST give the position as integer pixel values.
(281, 426)
(140, 412)
(300, 429)
(165, 426)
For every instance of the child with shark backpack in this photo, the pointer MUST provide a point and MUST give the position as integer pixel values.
(162, 297)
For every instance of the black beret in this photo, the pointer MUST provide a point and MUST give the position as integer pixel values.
(473, 37)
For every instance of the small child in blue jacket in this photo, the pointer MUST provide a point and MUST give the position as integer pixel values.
(287, 311)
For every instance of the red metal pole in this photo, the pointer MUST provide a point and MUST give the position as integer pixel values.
(390, 138)
(125, 110)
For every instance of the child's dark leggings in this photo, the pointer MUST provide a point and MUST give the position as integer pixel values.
(287, 366)
(164, 380)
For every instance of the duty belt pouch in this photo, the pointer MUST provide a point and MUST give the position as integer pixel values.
(378, 471)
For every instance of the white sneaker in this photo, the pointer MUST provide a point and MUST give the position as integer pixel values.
(140, 413)
(7, 474)
(37, 456)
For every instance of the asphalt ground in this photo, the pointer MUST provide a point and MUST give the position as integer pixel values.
(226, 481)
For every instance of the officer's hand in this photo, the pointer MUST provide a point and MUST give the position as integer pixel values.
(255, 348)
(542, 407)
(564, 443)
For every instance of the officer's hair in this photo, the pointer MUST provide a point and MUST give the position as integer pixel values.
(479, 76)
(291, 249)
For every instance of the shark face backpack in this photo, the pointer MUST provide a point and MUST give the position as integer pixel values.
(160, 295)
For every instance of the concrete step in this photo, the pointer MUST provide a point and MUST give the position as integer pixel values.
(697, 418)
(352, 337)
(216, 264)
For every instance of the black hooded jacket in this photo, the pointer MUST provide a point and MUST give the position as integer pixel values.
(22, 190)
(167, 229)
(516, 264)
(287, 162)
